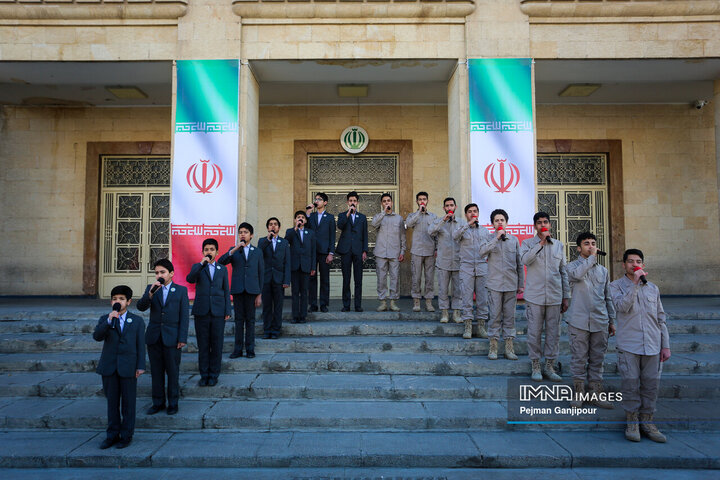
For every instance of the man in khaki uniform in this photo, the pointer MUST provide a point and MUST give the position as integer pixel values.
(473, 271)
(504, 281)
(547, 295)
(590, 318)
(643, 343)
(447, 261)
(423, 253)
(389, 252)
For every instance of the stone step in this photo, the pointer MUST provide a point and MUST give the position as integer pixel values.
(257, 449)
(328, 386)
(51, 342)
(337, 415)
(425, 327)
(373, 363)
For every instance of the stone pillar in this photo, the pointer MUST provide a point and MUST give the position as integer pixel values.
(248, 162)
(715, 105)
(458, 159)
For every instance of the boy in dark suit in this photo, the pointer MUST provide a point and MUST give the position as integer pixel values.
(211, 308)
(121, 363)
(246, 288)
(276, 255)
(323, 224)
(353, 248)
(302, 264)
(166, 334)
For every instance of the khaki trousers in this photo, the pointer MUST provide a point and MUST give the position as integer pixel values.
(539, 318)
(419, 265)
(502, 314)
(445, 277)
(473, 284)
(640, 377)
(385, 265)
(588, 351)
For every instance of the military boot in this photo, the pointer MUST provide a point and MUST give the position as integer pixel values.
(596, 389)
(648, 428)
(428, 305)
(468, 328)
(481, 332)
(457, 316)
(578, 389)
(444, 318)
(393, 306)
(550, 371)
(416, 304)
(510, 349)
(492, 353)
(383, 306)
(632, 432)
(536, 375)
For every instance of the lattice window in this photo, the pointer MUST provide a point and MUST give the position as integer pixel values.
(571, 169)
(353, 169)
(137, 172)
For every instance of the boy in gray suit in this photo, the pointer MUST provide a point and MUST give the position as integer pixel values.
(246, 288)
(389, 252)
(211, 309)
(302, 264)
(121, 363)
(423, 252)
(276, 255)
(447, 261)
(352, 247)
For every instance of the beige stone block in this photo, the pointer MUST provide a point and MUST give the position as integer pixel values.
(407, 33)
(317, 50)
(673, 31)
(325, 33)
(380, 33)
(689, 48)
(353, 33)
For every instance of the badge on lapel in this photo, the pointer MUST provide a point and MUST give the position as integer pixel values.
(172, 289)
(217, 266)
(129, 320)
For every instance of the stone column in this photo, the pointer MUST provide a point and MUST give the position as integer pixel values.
(458, 159)
(715, 105)
(248, 158)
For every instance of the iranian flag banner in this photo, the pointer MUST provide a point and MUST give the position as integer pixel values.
(502, 140)
(204, 186)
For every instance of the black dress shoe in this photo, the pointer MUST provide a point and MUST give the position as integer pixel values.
(324, 309)
(172, 410)
(345, 309)
(250, 355)
(123, 443)
(302, 320)
(211, 382)
(358, 309)
(109, 442)
(203, 382)
(312, 308)
(267, 336)
(236, 355)
(154, 409)
(295, 320)
(274, 336)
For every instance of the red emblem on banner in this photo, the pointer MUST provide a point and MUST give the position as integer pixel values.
(509, 178)
(204, 184)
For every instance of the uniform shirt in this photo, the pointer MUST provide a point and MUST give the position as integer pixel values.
(641, 327)
(448, 250)
(470, 239)
(547, 280)
(211, 270)
(505, 270)
(390, 242)
(423, 245)
(166, 290)
(591, 307)
(121, 321)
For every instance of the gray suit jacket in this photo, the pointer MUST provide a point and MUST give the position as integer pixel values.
(212, 297)
(172, 318)
(247, 275)
(122, 352)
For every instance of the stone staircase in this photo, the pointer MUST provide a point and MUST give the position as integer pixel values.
(346, 390)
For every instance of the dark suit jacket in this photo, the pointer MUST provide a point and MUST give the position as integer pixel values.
(353, 237)
(302, 254)
(247, 275)
(212, 297)
(277, 262)
(122, 352)
(171, 319)
(324, 233)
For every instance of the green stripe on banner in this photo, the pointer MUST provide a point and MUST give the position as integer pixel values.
(207, 92)
(500, 92)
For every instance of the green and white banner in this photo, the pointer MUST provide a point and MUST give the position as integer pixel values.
(502, 140)
(205, 159)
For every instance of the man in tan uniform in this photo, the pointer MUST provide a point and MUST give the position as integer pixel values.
(643, 343)
(389, 252)
(423, 253)
(447, 262)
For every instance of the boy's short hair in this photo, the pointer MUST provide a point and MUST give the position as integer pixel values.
(165, 263)
(584, 236)
(267, 224)
(633, 251)
(419, 194)
(498, 211)
(352, 194)
(211, 241)
(121, 290)
(382, 197)
(246, 226)
(470, 205)
(322, 195)
(540, 215)
(447, 199)
(300, 212)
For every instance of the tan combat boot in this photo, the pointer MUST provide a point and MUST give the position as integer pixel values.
(648, 428)
(492, 353)
(428, 305)
(550, 371)
(632, 432)
(596, 389)
(457, 317)
(536, 375)
(444, 318)
(383, 306)
(416, 304)
(481, 332)
(510, 349)
(393, 306)
(468, 328)
(578, 389)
